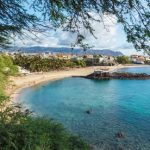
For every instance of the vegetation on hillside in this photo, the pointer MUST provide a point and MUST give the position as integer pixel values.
(19, 130)
(38, 64)
(6, 68)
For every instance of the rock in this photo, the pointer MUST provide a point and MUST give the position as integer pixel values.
(118, 75)
(120, 135)
(88, 111)
(120, 148)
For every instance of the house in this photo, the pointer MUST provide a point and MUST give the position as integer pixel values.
(137, 59)
(88, 57)
(46, 55)
(147, 59)
(67, 56)
(76, 58)
(101, 59)
(109, 60)
(64, 56)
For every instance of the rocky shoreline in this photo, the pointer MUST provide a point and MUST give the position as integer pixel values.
(118, 75)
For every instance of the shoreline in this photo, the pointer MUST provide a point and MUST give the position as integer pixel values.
(17, 84)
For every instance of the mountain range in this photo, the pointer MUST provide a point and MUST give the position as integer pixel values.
(66, 50)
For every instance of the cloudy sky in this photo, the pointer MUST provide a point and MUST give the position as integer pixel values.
(112, 37)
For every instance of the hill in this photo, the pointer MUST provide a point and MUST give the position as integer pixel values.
(66, 50)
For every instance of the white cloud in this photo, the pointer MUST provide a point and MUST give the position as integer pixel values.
(111, 36)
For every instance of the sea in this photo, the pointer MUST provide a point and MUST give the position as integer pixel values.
(109, 115)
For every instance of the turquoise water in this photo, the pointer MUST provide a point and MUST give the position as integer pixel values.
(145, 69)
(115, 105)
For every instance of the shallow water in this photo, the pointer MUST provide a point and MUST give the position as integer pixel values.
(145, 69)
(115, 106)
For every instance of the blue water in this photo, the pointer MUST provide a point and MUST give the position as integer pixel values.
(145, 69)
(115, 105)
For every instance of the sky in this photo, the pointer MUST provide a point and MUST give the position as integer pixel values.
(111, 37)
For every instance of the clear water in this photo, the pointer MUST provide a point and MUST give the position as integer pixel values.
(145, 69)
(115, 105)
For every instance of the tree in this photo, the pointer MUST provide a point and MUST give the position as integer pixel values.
(13, 19)
(21, 131)
(123, 60)
(74, 15)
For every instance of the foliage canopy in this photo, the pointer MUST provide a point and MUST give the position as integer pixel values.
(6, 68)
(123, 60)
(20, 131)
(38, 64)
(73, 15)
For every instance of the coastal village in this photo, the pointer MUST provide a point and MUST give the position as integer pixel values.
(91, 58)
(48, 61)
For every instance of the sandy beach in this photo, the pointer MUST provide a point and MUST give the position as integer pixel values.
(16, 84)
